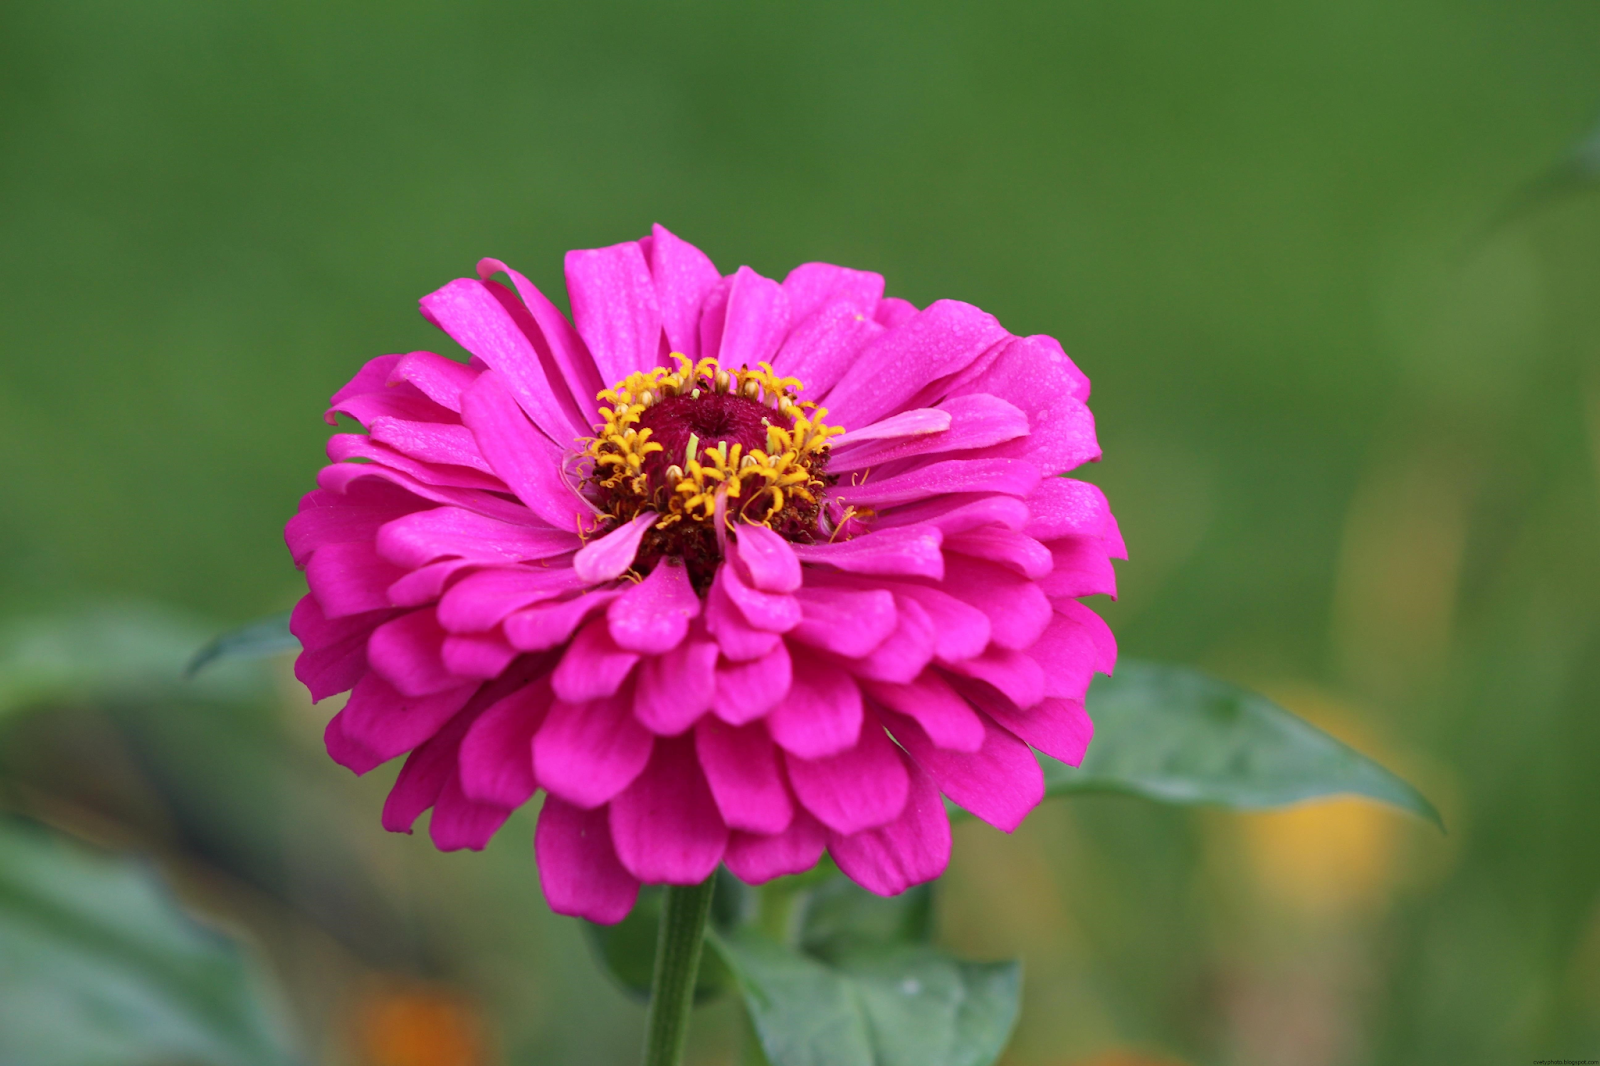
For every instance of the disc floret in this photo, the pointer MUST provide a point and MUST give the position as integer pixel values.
(673, 440)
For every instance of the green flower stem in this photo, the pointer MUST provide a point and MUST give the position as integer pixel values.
(683, 934)
(775, 910)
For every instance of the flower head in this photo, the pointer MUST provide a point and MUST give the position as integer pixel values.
(735, 571)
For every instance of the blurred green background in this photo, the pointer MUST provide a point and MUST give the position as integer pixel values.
(1349, 400)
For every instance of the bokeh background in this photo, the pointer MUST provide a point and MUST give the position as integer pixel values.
(1334, 271)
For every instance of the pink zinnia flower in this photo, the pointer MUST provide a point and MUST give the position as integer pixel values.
(736, 571)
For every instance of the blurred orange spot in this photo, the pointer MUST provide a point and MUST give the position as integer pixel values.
(419, 1026)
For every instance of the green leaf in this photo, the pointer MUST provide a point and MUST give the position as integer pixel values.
(258, 640)
(119, 653)
(911, 1005)
(841, 918)
(1173, 734)
(98, 965)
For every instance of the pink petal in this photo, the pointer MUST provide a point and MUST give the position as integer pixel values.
(811, 285)
(665, 825)
(482, 600)
(372, 377)
(1062, 507)
(957, 514)
(1062, 438)
(901, 657)
(894, 312)
(330, 518)
(822, 714)
(480, 655)
(524, 458)
(977, 421)
(912, 552)
(489, 322)
(424, 775)
(771, 612)
(1105, 644)
(614, 307)
(1000, 783)
(960, 629)
(746, 691)
(1014, 551)
(913, 848)
(683, 275)
(593, 666)
(335, 655)
(1014, 673)
(547, 624)
(1067, 654)
(1018, 612)
(345, 750)
(751, 324)
(1060, 728)
(856, 789)
(430, 442)
(559, 345)
(588, 752)
(938, 341)
(1012, 477)
(339, 477)
(407, 651)
(385, 723)
(346, 446)
(741, 766)
(675, 689)
(441, 380)
(653, 616)
(496, 762)
(426, 584)
(1036, 375)
(1080, 566)
(578, 867)
(423, 537)
(398, 401)
(459, 822)
(825, 345)
(1113, 538)
(611, 556)
(350, 579)
(757, 858)
(947, 719)
(897, 427)
(848, 622)
(738, 639)
(769, 558)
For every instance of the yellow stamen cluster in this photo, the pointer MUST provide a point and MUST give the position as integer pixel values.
(759, 483)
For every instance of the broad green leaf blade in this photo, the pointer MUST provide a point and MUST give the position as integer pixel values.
(804, 1013)
(1173, 734)
(98, 965)
(928, 1009)
(841, 917)
(909, 1005)
(259, 639)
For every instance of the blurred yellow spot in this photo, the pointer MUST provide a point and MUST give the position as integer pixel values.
(1325, 857)
(419, 1026)
(1328, 856)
